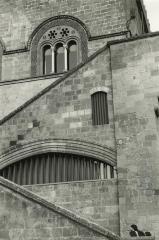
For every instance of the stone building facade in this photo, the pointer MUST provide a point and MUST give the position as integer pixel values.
(78, 120)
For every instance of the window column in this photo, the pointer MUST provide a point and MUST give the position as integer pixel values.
(53, 59)
(66, 58)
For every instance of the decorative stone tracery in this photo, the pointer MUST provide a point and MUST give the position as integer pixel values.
(59, 32)
(62, 29)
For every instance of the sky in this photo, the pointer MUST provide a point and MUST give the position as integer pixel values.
(152, 7)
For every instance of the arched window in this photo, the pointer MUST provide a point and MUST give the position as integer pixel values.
(60, 49)
(56, 167)
(99, 108)
(47, 59)
(67, 30)
(72, 54)
(59, 58)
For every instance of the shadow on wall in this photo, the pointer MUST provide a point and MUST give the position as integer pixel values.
(135, 232)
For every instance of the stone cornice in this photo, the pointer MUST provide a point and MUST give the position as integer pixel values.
(33, 79)
(59, 210)
(132, 39)
(110, 35)
(77, 147)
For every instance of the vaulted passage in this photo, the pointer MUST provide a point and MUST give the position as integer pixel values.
(56, 167)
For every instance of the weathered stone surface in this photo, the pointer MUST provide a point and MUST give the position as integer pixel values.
(20, 18)
(135, 91)
(94, 200)
(24, 215)
(65, 110)
(14, 95)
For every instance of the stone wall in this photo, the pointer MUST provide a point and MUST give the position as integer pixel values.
(136, 89)
(15, 94)
(16, 66)
(64, 111)
(19, 64)
(18, 22)
(20, 18)
(25, 216)
(94, 200)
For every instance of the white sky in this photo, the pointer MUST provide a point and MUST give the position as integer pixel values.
(152, 7)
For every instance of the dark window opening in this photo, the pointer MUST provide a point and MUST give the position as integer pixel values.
(72, 54)
(47, 60)
(59, 58)
(99, 108)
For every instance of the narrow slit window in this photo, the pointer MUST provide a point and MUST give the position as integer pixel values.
(99, 108)
(72, 54)
(47, 59)
(59, 58)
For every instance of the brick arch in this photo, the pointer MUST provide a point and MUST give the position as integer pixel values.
(52, 22)
(102, 153)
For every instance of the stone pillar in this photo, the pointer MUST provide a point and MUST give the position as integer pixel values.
(108, 172)
(101, 170)
(66, 59)
(53, 59)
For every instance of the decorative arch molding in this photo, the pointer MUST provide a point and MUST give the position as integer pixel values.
(99, 89)
(83, 148)
(54, 22)
(63, 17)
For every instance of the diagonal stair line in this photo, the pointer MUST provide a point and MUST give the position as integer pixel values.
(52, 85)
(58, 209)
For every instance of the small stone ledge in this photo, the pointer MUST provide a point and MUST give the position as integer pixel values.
(110, 35)
(131, 39)
(111, 180)
(139, 238)
(54, 84)
(25, 80)
(52, 207)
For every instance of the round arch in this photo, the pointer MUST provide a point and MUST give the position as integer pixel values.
(54, 22)
(57, 161)
(84, 148)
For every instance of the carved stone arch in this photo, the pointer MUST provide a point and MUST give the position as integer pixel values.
(99, 89)
(62, 20)
(58, 161)
(88, 149)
